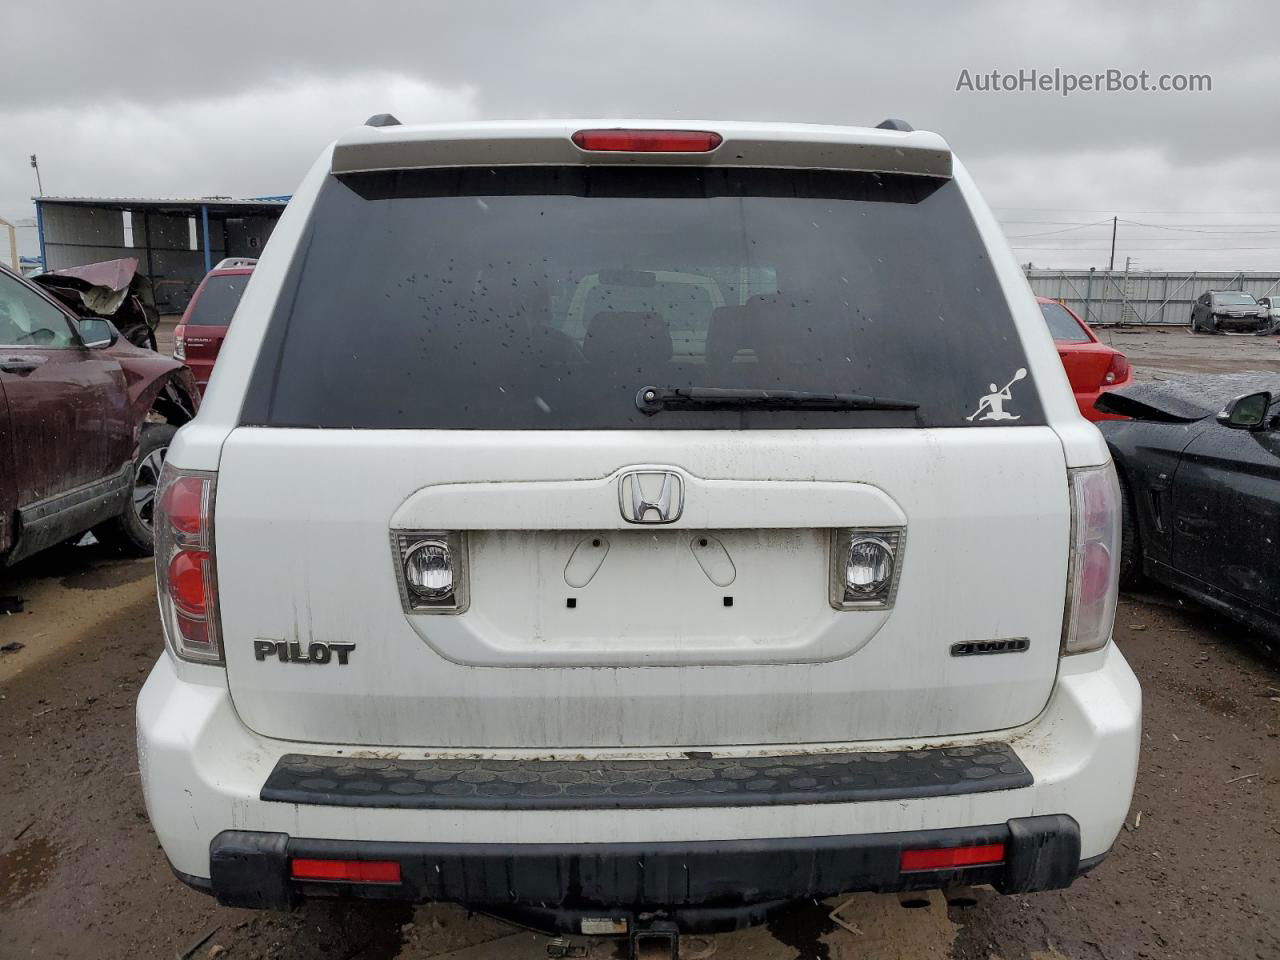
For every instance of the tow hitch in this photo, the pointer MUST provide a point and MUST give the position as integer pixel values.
(651, 940)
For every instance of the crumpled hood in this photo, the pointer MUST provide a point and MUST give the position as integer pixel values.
(1186, 399)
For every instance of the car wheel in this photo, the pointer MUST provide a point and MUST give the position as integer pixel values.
(1130, 541)
(131, 531)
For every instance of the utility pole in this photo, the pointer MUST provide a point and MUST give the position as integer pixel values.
(1110, 266)
(35, 165)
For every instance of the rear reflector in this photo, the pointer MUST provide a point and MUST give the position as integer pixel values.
(346, 871)
(648, 141)
(948, 858)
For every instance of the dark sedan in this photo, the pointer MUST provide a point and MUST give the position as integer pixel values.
(1200, 476)
(1229, 311)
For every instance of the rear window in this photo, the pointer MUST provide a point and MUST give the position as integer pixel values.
(547, 298)
(1062, 325)
(217, 302)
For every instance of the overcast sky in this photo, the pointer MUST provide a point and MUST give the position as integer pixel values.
(167, 99)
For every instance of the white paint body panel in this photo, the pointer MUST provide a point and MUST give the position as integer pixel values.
(202, 772)
(302, 525)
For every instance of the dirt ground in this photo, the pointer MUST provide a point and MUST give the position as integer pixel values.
(1161, 353)
(1195, 874)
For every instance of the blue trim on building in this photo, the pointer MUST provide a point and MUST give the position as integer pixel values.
(204, 229)
(44, 261)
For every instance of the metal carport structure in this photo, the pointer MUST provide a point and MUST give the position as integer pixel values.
(176, 241)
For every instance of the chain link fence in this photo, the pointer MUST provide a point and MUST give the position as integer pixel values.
(1142, 297)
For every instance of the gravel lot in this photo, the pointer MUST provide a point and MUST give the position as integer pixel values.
(1196, 873)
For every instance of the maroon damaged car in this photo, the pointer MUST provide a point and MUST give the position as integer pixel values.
(85, 422)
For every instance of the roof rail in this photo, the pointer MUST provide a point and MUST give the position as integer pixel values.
(892, 124)
(231, 263)
(382, 120)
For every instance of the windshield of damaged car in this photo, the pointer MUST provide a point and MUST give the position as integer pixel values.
(548, 297)
(1234, 299)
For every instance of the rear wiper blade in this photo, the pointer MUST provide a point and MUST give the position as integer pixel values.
(651, 400)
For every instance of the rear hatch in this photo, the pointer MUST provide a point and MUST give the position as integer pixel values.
(464, 356)
(208, 317)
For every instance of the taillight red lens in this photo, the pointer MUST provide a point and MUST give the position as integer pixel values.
(186, 569)
(183, 503)
(348, 871)
(648, 141)
(186, 581)
(1118, 371)
(947, 858)
(1093, 567)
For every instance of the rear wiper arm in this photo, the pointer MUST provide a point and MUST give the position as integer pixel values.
(651, 400)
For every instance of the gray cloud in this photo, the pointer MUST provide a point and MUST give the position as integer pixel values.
(158, 100)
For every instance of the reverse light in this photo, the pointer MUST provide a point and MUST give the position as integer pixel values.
(864, 567)
(948, 858)
(1093, 570)
(431, 570)
(179, 347)
(428, 570)
(869, 567)
(345, 871)
(648, 141)
(186, 578)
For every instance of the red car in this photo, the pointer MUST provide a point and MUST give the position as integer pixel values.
(1091, 365)
(198, 337)
(85, 423)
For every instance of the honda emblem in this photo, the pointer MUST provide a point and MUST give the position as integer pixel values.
(651, 496)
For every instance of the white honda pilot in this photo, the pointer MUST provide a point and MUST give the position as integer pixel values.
(630, 527)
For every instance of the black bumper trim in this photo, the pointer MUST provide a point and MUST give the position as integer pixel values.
(697, 781)
(725, 878)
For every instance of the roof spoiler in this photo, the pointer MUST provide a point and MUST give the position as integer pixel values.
(893, 147)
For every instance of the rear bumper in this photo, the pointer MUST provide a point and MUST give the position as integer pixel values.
(700, 885)
(203, 775)
(1086, 399)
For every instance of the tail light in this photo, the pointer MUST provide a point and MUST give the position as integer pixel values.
(1094, 568)
(179, 344)
(186, 577)
(1118, 371)
(647, 141)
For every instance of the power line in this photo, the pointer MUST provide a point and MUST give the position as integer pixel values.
(1117, 210)
(1199, 228)
(1128, 246)
(1050, 233)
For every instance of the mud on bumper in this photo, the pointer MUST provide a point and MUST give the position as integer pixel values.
(703, 885)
